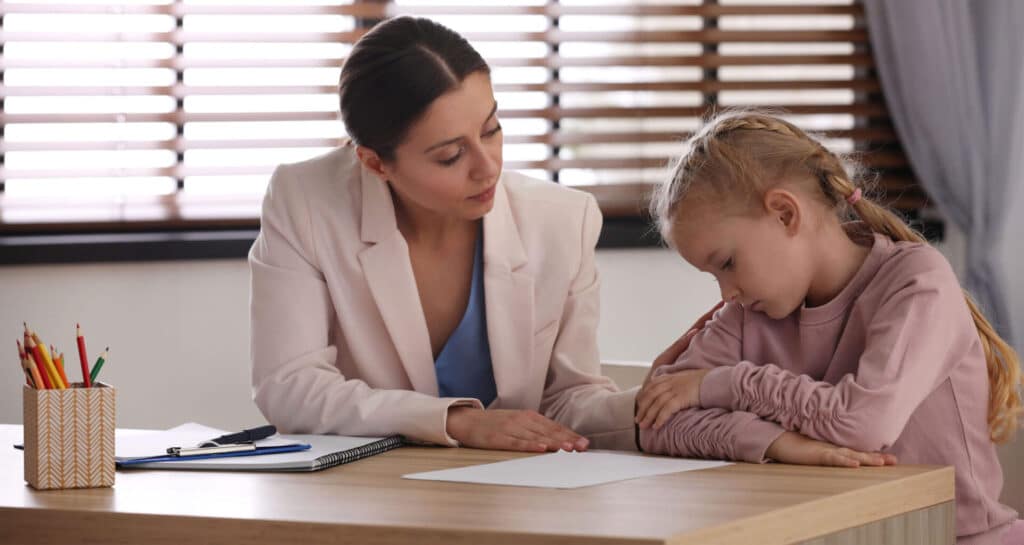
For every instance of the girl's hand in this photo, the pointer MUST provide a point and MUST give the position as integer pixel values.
(501, 429)
(672, 353)
(794, 448)
(666, 395)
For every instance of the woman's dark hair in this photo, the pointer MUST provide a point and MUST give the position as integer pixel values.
(393, 74)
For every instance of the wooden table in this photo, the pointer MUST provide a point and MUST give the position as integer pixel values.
(368, 502)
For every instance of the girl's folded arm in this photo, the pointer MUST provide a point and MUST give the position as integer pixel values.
(712, 433)
(910, 348)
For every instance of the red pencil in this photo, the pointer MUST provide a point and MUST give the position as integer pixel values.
(35, 380)
(82, 358)
(21, 357)
(32, 350)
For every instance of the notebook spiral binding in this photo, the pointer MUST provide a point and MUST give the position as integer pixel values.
(365, 451)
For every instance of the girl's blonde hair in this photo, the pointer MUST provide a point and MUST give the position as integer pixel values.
(737, 156)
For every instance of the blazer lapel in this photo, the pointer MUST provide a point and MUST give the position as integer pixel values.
(508, 292)
(388, 272)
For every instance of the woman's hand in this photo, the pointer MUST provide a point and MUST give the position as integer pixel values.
(672, 353)
(502, 429)
(794, 448)
(666, 395)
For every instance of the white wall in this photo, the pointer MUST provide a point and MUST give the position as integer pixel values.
(179, 331)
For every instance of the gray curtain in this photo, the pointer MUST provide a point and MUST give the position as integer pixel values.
(953, 76)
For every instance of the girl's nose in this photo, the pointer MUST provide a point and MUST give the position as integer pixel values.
(729, 292)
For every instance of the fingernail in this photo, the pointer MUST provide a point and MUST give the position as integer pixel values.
(567, 446)
(582, 443)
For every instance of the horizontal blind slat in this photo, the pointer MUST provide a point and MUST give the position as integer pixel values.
(181, 91)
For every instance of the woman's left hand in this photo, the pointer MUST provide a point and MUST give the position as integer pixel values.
(665, 395)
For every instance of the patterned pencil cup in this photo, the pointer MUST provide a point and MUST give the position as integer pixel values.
(69, 437)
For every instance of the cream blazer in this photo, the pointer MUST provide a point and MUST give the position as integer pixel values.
(339, 341)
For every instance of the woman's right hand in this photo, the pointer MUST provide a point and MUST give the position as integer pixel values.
(794, 448)
(503, 429)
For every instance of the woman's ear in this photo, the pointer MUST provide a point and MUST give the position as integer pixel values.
(784, 208)
(371, 161)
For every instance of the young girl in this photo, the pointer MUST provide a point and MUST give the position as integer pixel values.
(853, 334)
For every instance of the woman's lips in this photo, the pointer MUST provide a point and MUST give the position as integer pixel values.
(485, 195)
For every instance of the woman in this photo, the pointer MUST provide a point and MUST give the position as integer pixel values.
(404, 284)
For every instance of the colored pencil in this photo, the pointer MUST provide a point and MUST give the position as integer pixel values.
(59, 362)
(32, 372)
(42, 355)
(99, 365)
(40, 365)
(83, 359)
(25, 365)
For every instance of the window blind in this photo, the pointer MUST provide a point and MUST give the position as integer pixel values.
(172, 114)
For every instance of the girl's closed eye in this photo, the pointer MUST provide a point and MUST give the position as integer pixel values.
(728, 265)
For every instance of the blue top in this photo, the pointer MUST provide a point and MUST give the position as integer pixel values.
(464, 364)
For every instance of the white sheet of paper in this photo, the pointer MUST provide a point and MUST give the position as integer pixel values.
(567, 469)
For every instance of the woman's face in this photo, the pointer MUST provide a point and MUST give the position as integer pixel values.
(450, 160)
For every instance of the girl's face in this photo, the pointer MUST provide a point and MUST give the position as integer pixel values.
(450, 160)
(759, 261)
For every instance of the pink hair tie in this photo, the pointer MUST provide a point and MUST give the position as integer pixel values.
(854, 197)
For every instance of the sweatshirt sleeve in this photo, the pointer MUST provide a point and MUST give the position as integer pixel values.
(718, 433)
(911, 345)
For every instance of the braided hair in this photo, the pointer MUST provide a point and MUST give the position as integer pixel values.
(735, 157)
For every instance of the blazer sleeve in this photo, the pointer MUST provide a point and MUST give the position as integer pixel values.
(575, 394)
(717, 433)
(294, 378)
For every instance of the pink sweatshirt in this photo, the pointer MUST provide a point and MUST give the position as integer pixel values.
(893, 363)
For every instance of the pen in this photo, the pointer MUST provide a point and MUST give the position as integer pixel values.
(220, 449)
(244, 436)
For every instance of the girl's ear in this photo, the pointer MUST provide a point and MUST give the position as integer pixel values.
(784, 208)
(371, 161)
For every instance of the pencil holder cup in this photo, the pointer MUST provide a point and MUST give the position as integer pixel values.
(69, 437)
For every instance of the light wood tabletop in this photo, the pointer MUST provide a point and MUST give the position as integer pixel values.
(368, 502)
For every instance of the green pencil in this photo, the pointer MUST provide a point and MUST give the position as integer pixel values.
(99, 365)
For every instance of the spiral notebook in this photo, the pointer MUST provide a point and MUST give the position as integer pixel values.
(323, 451)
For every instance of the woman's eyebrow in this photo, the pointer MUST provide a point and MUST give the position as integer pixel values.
(457, 138)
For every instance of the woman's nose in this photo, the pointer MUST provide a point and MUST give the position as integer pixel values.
(485, 167)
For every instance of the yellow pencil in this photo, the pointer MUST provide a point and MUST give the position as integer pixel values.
(40, 349)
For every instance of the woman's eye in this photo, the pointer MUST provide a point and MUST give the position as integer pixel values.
(492, 132)
(451, 160)
(727, 265)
